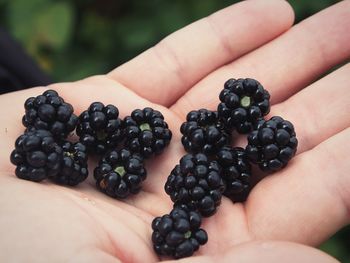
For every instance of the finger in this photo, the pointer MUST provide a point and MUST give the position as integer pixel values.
(265, 251)
(284, 65)
(164, 72)
(320, 110)
(309, 200)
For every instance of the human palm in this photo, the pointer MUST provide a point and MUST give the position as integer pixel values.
(305, 203)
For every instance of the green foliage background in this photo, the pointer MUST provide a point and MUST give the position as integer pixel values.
(72, 39)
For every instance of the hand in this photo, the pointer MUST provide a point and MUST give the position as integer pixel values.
(304, 203)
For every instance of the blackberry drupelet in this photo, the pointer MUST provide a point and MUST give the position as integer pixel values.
(178, 234)
(236, 172)
(272, 144)
(120, 173)
(74, 164)
(36, 155)
(49, 112)
(203, 132)
(243, 102)
(100, 128)
(197, 183)
(146, 132)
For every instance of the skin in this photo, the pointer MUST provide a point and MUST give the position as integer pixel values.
(286, 214)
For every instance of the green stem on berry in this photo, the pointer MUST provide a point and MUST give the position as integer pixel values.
(245, 101)
(120, 170)
(145, 127)
(68, 154)
(188, 234)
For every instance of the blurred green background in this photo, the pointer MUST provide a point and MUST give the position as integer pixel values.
(72, 39)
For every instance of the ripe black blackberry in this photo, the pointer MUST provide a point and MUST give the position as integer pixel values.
(197, 183)
(146, 132)
(120, 173)
(100, 128)
(74, 164)
(178, 234)
(49, 112)
(203, 132)
(243, 102)
(36, 155)
(272, 144)
(236, 172)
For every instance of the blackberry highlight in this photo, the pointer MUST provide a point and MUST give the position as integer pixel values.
(203, 132)
(243, 102)
(272, 144)
(49, 112)
(178, 234)
(74, 168)
(236, 172)
(36, 155)
(197, 183)
(120, 173)
(100, 128)
(146, 132)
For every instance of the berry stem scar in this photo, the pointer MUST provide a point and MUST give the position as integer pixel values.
(120, 170)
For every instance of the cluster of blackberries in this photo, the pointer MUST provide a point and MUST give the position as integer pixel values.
(43, 151)
(213, 167)
(126, 143)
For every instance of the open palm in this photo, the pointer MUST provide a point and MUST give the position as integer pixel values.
(305, 203)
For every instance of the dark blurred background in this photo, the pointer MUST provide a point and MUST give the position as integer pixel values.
(72, 39)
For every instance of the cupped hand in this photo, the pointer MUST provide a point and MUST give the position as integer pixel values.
(299, 207)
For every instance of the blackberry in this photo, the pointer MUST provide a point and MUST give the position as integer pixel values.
(74, 164)
(272, 144)
(100, 128)
(49, 112)
(120, 173)
(197, 183)
(146, 132)
(243, 102)
(178, 234)
(203, 132)
(36, 155)
(236, 172)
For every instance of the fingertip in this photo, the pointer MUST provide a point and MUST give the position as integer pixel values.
(280, 11)
(288, 11)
